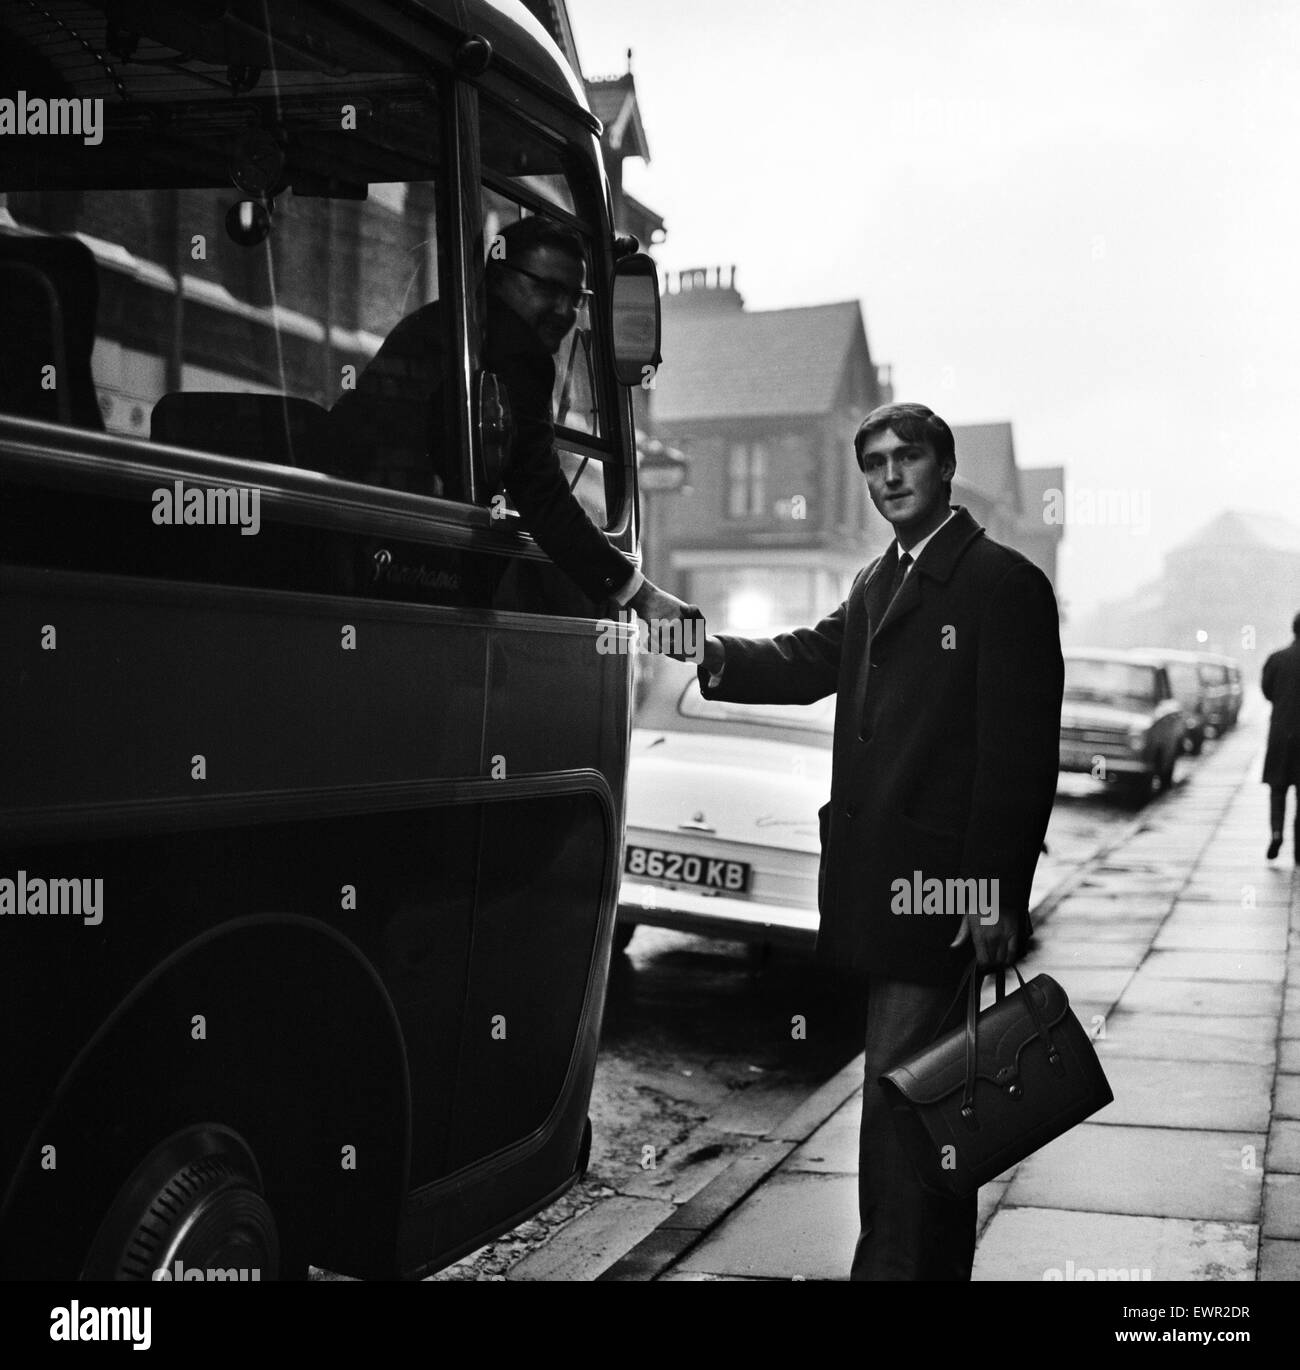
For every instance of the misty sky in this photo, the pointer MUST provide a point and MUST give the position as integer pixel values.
(1082, 217)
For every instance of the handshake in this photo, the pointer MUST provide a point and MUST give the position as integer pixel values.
(671, 627)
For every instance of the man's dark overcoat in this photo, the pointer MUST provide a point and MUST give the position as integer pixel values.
(947, 731)
(1281, 685)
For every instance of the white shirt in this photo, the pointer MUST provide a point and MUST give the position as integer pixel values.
(623, 595)
(918, 547)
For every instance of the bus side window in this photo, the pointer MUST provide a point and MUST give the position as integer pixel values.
(49, 293)
(240, 292)
(393, 421)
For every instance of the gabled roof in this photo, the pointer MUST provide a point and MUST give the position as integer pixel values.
(613, 101)
(772, 363)
(986, 461)
(636, 209)
(1238, 528)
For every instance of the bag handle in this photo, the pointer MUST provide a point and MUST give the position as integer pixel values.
(961, 985)
(976, 976)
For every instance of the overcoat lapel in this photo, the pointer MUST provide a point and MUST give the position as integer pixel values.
(876, 590)
(875, 595)
(907, 598)
(938, 563)
(940, 559)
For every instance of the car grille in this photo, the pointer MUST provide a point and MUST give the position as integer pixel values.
(1100, 737)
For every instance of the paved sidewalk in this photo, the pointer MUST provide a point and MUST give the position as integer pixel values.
(1173, 947)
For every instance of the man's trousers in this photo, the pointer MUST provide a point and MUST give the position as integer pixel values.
(1277, 816)
(907, 1233)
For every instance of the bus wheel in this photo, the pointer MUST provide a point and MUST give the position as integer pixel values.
(193, 1209)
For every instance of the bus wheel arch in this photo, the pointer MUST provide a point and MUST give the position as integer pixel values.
(311, 1087)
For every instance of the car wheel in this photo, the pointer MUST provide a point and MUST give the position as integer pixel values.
(1196, 742)
(1136, 789)
(623, 933)
(195, 1203)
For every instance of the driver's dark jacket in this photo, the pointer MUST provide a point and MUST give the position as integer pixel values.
(396, 429)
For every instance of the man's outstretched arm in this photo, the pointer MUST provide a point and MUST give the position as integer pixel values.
(798, 667)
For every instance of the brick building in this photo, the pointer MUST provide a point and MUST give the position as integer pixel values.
(764, 405)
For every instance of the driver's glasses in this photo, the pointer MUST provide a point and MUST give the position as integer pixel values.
(558, 292)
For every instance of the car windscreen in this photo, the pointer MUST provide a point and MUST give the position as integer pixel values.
(1183, 677)
(1099, 681)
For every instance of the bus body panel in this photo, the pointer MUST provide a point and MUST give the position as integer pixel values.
(346, 794)
(316, 722)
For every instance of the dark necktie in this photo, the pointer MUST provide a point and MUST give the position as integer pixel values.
(900, 573)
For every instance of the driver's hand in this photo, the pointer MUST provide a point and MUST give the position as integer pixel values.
(676, 629)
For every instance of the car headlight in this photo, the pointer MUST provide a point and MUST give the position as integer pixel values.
(1137, 739)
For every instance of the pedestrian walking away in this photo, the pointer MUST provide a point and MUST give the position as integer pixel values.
(1281, 685)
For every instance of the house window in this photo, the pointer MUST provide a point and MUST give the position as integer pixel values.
(747, 481)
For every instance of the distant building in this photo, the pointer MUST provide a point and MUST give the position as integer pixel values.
(987, 482)
(1006, 500)
(1038, 536)
(614, 102)
(764, 405)
(1236, 581)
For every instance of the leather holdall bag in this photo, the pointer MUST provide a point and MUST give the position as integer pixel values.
(972, 1104)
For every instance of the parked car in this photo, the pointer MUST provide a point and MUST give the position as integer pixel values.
(1119, 720)
(1238, 693)
(1221, 676)
(1193, 694)
(722, 834)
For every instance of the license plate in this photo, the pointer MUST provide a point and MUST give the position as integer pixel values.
(707, 872)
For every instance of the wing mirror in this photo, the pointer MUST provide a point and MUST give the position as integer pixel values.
(634, 318)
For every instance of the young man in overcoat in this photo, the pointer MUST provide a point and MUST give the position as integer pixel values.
(946, 666)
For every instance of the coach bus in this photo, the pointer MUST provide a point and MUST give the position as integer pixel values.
(311, 774)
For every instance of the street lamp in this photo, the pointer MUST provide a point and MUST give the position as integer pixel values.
(662, 468)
